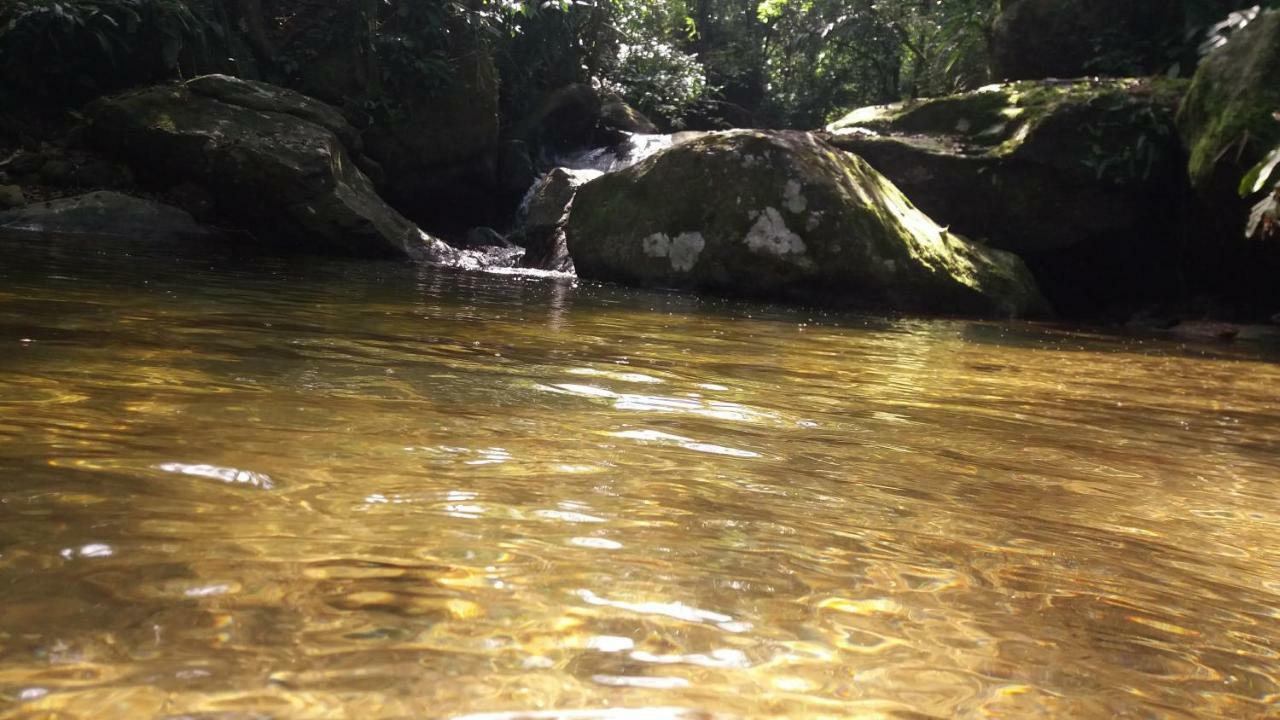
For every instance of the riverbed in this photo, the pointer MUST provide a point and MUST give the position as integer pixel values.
(238, 488)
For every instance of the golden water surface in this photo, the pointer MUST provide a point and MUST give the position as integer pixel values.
(235, 490)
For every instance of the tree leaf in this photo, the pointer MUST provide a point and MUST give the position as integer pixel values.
(1259, 176)
(1264, 214)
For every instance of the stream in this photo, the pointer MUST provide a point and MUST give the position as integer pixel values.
(240, 488)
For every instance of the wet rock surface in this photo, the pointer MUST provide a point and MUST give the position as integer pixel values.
(108, 215)
(784, 215)
(543, 217)
(269, 164)
(1080, 178)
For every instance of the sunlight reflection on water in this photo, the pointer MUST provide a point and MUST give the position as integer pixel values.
(348, 490)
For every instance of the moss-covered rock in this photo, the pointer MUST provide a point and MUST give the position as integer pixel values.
(269, 98)
(1227, 119)
(784, 215)
(617, 114)
(1034, 39)
(1074, 176)
(269, 167)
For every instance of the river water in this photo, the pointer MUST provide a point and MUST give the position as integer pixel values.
(243, 489)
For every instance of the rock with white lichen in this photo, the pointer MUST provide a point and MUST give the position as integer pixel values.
(783, 215)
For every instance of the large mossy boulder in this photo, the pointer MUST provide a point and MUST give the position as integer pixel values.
(783, 215)
(1035, 39)
(1079, 178)
(1228, 118)
(271, 158)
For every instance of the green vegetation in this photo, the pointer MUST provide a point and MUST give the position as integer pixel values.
(1264, 219)
(778, 62)
(800, 63)
(77, 49)
(695, 63)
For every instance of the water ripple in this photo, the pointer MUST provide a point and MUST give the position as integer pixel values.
(521, 497)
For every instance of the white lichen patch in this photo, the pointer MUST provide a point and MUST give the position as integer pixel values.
(657, 245)
(815, 219)
(685, 249)
(682, 250)
(770, 236)
(792, 197)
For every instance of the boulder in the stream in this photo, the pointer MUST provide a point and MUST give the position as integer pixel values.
(106, 215)
(1081, 179)
(271, 158)
(543, 217)
(784, 215)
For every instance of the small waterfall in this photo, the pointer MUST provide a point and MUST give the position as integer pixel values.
(633, 149)
(582, 167)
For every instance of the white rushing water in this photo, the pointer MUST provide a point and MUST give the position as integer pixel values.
(635, 148)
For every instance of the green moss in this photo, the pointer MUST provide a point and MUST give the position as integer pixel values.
(996, 120)
(272, 172)
(1118, 131)
(1226, 120)
(860, 240)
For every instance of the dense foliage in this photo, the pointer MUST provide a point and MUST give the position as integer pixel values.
(685, 62)
(785, 62)
(77, 49)
(776, 62)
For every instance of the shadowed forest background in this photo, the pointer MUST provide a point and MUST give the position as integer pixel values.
(696, 64)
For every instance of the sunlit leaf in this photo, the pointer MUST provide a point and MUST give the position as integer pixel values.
(1259, 177)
